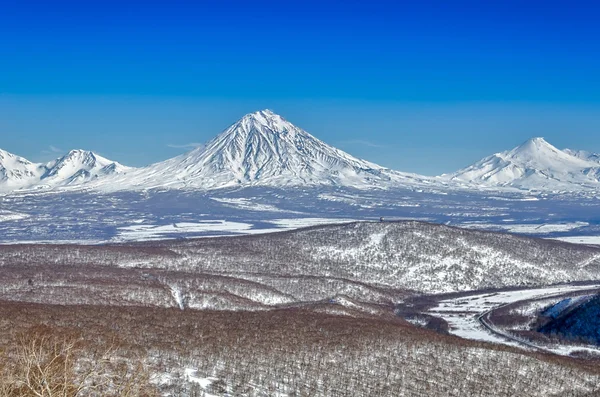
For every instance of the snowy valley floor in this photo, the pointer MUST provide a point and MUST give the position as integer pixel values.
(93, 218)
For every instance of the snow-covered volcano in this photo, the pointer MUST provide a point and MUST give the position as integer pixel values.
(264, 149)
(535, 165)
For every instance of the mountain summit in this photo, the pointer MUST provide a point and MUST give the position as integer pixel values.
(263, 149)
(535, 165)
(539, 153)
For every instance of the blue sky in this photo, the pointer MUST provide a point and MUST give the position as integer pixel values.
(425, 86)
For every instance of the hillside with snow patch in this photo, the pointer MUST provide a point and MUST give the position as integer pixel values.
(403, 255)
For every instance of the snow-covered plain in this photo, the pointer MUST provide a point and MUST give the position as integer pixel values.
(145, 232)
(529, 228)
(588, 240)
(89, 217)
(211, 228)
(11, 216)
(249, 204)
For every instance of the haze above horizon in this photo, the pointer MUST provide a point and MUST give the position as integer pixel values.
(426, 88)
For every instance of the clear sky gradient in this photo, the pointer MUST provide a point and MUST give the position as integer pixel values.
(421, 86)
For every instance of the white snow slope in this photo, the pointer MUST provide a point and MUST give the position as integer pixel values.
(17, 172)
(584, 155)
(264, 149)
(74, 168)
(534, 165)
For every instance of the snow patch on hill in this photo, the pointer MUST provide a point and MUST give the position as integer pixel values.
(250, 205)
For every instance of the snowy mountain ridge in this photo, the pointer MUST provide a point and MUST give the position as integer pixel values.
(72, 169)
(533, 165)
(16, 171)
(264, 149)
(584, 155)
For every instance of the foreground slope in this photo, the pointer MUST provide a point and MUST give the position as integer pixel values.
(297, 352)
(535, 165)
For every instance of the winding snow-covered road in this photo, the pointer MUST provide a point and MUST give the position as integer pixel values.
(467, 315)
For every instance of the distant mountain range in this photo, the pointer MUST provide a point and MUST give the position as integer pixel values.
(264, 149)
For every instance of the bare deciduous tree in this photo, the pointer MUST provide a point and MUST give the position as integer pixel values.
(50, 364)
